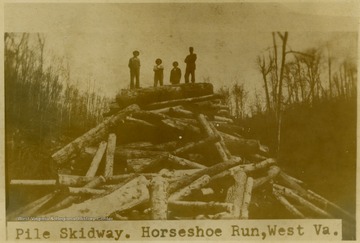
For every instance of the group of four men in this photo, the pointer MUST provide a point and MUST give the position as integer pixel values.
(175, 75)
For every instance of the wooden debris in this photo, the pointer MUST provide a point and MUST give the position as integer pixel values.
(84, 190)
(247, 198)
(96, 160)
(109, 165)
(235, 193)
(93, 136)
(291, 208)
(184, 162)
(196, 208)
(126, 197)
(271, 174)
(187, 190)
(33, 182)
(159, 198)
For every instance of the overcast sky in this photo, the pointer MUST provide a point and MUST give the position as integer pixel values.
(98, 39)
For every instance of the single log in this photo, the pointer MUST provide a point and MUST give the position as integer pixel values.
(149, 95)
(256, 157)
(187, 190)
(245, 167)
(168, 146)
(96, 160)
(185, 101)
(195, 145)
(240, 146)
(316, 197)
(199, 207)
(222, 143)
(235, 193)
(109, 165)
(184, 162)
(33, 182)
(150, 116)
(287, 180)
(209, 133)
(93, 136)
(132, 194)
(215, 169)
(230, 129)
(291, 208)
(68, 201)
(247, 198)
(139, 122)
(83, 190)
(181, 126)
(31, 208)
(180, 112)
(223, 119)
(166, 110)
(271, 174)
(159, 198)
(293, 195)
(74, 180)
(223, 113)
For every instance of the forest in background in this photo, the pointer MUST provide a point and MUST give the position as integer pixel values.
(308, 121)
(43, 106)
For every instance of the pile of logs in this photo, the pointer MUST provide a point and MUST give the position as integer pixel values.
(171, 152)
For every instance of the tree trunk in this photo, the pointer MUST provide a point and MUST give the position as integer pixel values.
(215, 169)
(109, 165)
(96, 160)
(145, 96)
(33, 182)
(293, 210)
(126, 197)
(271, 174)
(187, 190)
(195, 145)
(93, 136)
(159, 198)
(235, 193)
(185, 101)
(247, 198)
(184, 162)
(83, 190)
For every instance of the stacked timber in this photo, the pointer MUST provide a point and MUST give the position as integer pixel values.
(171, 152)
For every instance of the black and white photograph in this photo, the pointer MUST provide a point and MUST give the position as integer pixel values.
(218, 120)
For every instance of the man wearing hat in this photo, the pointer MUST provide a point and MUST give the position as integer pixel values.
(134, 65)
(190, 66)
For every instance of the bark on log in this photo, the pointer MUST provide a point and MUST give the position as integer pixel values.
(312, 195)
(271, 174)
(235, 193)
(240, 146)
(109, 165)
(185, 101)
(33, 182)
(196, 208)
(68, 201)
(209, 133)
(31, 208)
(74, 180)
(293, 210)
(245, 167)
(293, 195)
(181, 126)
(292, 184)
(96, 160)
(222, 143)
(93, 136)
(83, 190)
(195, 145)
(215, 169)
(180, 112)
(168, 146)
(149, 95)
(159, 198)
(166, 110)
(139, 122)
(126, 197)
(184, 162)
(247, 198)
(187, 190)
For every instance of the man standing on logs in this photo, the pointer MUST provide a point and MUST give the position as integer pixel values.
(134, 65)
(190, 66)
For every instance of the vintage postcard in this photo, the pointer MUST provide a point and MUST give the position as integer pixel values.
(190, 120)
